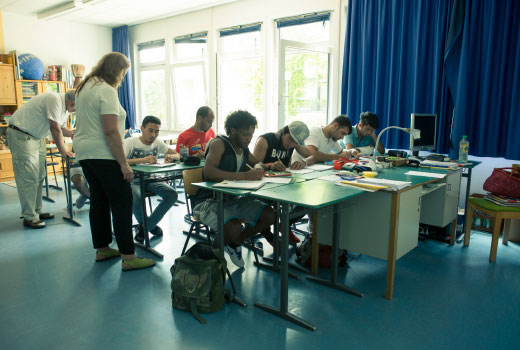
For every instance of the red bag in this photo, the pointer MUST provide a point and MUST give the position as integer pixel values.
(304, 254)
(502, 182)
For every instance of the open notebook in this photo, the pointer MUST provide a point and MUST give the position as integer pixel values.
(253, 185)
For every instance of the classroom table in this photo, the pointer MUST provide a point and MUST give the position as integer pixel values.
(313, 195)
(149, 174)
(468, 165)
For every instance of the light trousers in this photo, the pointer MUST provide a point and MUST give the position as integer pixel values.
(29, 170)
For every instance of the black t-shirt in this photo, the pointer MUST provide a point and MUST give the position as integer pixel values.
(275, 148)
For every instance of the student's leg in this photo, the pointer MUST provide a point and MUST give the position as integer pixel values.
(169, 197)
(257, 222)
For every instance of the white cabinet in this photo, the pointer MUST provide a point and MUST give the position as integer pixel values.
(439, 207)
(366, 220)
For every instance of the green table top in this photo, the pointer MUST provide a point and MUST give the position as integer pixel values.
(311, 194)
(177, 166)
(232, 191)
(399, 174)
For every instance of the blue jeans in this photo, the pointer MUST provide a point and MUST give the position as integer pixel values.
(166, 192)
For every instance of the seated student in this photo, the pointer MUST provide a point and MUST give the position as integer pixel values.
(78, 179)
(323, 142)
(197, 137)
(363, 134)
(227, 158)
(141, 150)
(275, 151)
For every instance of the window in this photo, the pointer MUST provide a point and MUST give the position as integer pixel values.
(189, 77)
(152, 81)
(241, 73)
(304, 69)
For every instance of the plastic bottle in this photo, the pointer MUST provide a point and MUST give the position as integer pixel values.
(463, 148)
(184, 152)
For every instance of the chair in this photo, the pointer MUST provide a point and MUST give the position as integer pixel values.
(190, 176)
(498, 212)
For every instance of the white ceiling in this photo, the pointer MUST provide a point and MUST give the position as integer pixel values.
(110, 13)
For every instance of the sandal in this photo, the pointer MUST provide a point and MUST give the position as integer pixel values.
(107, 254)
(137, 263)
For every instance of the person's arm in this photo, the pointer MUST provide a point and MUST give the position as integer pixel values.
(57, 136)
(213, 173)
(67, 132)
(115, 144)
(171, 156)
(321, 157)
(180, 141)
(259, 155)
(380, 147)
(146, 160)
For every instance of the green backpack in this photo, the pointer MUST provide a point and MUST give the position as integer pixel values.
(198, 280)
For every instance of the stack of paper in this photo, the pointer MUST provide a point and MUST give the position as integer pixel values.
(243, 185)
(319, 167)
(391, 184)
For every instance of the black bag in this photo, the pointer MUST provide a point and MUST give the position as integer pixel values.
(192, 160)
(198, 280)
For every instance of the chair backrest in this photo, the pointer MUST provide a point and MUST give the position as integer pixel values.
(190, 176)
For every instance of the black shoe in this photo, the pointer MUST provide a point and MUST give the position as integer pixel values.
(156, 231)
(139, 235)
(46, 216)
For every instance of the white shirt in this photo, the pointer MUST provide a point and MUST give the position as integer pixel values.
(34, 115)
(317, 139)
(135, 148)
(94, 100)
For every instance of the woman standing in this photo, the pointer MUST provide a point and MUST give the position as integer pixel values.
(99, 149)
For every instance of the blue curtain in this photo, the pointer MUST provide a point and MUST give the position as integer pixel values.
(483, 61)
(120, 43)
(393, 65)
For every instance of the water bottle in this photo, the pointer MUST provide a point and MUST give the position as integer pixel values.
(463, 149)
(184, 152)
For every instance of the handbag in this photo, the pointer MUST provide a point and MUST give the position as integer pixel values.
(502, 182)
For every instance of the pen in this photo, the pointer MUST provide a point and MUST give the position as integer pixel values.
(249, 166)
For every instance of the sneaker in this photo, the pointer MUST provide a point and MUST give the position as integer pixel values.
(137, 263)
(235, 254)
(139, 234)
(156, 231)
(80, 202)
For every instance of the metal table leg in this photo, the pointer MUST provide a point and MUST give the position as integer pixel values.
(333, 283)
(46, 197)
(68, 194)
(146, 245)
(282, 311)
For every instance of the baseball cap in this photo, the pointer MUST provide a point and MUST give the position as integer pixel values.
(299, 132)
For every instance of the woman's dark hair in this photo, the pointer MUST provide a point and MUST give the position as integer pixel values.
(239, 120)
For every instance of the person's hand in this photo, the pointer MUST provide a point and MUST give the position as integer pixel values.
(345, 154)
(67, 154)
(354, 153)
(254, 174)
(128, 173)
(200, 154)
(298, 165)
(150, 159)
(278, 166)
(169, 158)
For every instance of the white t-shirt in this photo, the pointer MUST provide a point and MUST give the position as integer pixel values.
(33, 117)
(318, 140)
(94, 100)
(134, 148)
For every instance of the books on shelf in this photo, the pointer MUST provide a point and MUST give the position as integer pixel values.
(503, 200)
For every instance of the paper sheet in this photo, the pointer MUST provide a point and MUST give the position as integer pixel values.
(319, 167)
(425, 174)
(301, 171)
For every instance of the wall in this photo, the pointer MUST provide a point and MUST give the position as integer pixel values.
(56, 41)
(246, 12)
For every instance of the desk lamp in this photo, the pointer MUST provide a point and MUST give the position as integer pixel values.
(416, 134)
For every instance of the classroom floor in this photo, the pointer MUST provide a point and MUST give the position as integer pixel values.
(54, 296)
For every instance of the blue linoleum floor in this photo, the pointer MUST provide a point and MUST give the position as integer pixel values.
(54, 296)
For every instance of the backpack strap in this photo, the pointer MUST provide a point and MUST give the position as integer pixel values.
(219, 258)
(195, 312)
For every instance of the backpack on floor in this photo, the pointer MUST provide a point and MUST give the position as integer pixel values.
(304, 254)
(198, 280)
